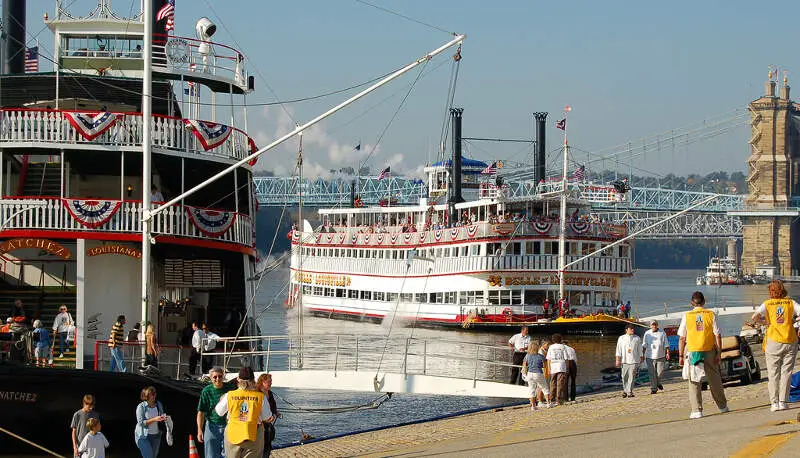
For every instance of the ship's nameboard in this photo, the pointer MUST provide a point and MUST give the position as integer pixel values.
(193, 273)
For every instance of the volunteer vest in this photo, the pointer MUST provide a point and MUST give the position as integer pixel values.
(780, 315)
(700, 330)
(244, 414)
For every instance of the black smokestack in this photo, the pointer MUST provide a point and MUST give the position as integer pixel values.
(14, 28)
(455, 196)
(539, 158)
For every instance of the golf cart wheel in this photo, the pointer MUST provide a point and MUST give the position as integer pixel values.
(747, 378)
(757, 374)
(704, 386)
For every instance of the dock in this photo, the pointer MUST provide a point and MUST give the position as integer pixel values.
(600, 424)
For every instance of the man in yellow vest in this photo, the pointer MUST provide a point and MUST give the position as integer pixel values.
(247, 409)
(700, 342)
(780, 350)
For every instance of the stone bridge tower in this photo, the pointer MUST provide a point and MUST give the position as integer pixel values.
(771, 235)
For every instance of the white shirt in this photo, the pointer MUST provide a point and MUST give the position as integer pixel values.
(156, 197)
(211, 341)
(93, 446)
(629, 349)
(62, 322)
(222, 407)
(682, 327)
(571, 355)
(520, 342)
(557, 355)
(655, 344)
(197, 339)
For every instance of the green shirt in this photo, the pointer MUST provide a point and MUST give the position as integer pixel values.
(209, 398)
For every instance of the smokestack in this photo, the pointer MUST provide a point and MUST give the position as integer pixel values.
(539, 159)
(455, 195)
(14, 46)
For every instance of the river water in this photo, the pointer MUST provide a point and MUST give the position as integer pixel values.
(650, 292)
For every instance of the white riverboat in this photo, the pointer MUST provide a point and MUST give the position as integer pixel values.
(481, 259)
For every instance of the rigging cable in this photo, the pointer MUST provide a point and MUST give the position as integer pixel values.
(409, 18)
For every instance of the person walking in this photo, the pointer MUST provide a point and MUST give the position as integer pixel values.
(61, 326)
(629, 356)
(572, 371)
(115, 342)
(519, 344)
(264, 383)
(197, 346)
(700, 343)
(779, 313)
(533, 365)
(210, 426)
(150, 423)
(557, 362)
(80, 418)
(151, 349)
(94, 444)
(656, 353)
(247, 409)
(209, 345)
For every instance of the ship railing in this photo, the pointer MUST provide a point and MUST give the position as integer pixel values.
(190, 55)
(373, 353)
(31, 127)
(174, 221)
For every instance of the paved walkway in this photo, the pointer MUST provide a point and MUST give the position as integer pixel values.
(601, 424)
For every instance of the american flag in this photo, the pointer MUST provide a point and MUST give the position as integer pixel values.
(491, 169)
(167, 11)
(580, 173)
(385, 173)
(32, 59)
(562, 124)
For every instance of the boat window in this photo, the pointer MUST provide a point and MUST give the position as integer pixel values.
(438, 253)
(446, 253)
(330, 292)
(340, 292)
(479, 297)
(573, 248)
(466, 297)
(421, 297)
(391, 297)
(352, 294)
(494, 297)
(450, 297)
(494, 249)
(347, 253)
(406, 297)
(317, 291)
(474, 250)
(464, 250)
(365, 295)
(505, 297)
(437, 298)
(514, 248)
(378, 295)
(516, 296)
(307, 289)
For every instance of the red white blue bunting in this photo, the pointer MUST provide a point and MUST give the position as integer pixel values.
(211, 222)
(454, 232)
(379, 238)
(210, 134)
(366, 238)
(579, 227)
(422, 236)
(393, 238)
(341, 237)
(407, 237)
(472, 229)
(542, 227)
(329, 238)
(90, 125)
(353, 239)
(437, 235)
(92, 213)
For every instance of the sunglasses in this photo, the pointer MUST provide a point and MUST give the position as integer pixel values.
(216, 376)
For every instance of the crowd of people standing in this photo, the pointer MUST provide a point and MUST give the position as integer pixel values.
(549, 368)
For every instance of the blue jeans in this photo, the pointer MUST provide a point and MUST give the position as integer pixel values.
(149, 445)
(62, 340)
(117, 360)
(214, 440)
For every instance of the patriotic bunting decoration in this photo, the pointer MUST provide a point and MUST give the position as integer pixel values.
(319, 236)
(454, 232)
(379, 238)
(579, 228)
(211, 222)
(472, 230)
(329, 238)
(354, 239)
(341, 237)
(91, 125)
(366, 238)
(542, 227)
(92, 213)
(437, 235)
(393, 238)
(422, 236)
(407, 237)
(210, 134)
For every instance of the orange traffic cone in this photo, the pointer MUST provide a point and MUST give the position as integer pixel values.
(192, 448)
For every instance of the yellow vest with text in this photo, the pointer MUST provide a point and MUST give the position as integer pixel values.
(780, 316)
(700, 330)
(244, 414)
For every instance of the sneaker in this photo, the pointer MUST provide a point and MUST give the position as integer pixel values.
(783, 406)
(695, 415)
(624, 395)
(661, 387)
(61, 355)
(774, 408)
(724, 410)
(631, 395)
(653, 391)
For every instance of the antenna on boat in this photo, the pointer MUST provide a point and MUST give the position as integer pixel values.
(147, 114)
(562, 243)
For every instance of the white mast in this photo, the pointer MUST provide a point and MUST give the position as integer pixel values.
(147, 117)
(562, 242)
(301, 228)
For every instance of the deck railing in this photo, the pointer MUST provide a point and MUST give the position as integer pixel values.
(204, 57)
(174, 221)
(24, 127)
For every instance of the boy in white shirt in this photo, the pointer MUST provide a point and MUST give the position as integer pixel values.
(95, 443)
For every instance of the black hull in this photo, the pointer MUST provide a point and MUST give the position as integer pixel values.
(38, 405)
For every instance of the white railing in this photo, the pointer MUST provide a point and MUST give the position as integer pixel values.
(172, 222)
(25, 127)
(202, 57)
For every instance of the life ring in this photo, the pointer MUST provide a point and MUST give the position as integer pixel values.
(507, 311)
(358, 203)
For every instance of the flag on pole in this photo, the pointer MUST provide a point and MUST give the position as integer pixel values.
(580, 173)
(358, 147)
(491, 169)
(167, 12)
(562, 124)
(385, 173)
(32, 59)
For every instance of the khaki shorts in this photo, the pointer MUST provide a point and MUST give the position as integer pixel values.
(537, 380)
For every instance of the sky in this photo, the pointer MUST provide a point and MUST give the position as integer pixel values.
(630, 70)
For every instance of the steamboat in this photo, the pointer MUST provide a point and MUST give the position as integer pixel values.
(472, 254)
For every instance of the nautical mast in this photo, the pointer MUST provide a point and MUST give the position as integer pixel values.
(299, 274)
(562, 229)
(147, 115)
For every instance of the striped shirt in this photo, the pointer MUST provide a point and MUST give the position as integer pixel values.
(117, 335)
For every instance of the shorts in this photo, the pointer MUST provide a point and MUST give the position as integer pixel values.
(537, 380)
(41, 352)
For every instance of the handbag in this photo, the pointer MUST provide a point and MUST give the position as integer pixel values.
(71, 333)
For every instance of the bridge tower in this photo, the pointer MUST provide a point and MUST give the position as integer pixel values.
(771, 240)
